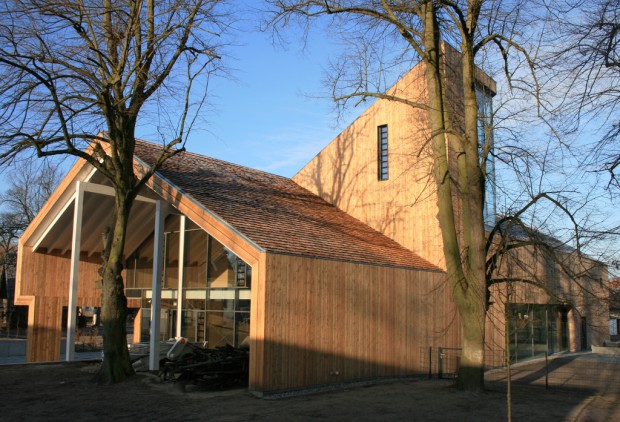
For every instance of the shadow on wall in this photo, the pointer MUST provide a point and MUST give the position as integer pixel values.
(328, 321)
(557, 279)
(301, 369)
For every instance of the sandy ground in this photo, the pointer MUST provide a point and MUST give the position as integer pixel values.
(63, 391)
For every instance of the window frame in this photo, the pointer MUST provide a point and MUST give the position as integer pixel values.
(383, 169)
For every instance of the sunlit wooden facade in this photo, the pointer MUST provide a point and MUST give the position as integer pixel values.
(336, 275)
(570, 302)
(325, 298)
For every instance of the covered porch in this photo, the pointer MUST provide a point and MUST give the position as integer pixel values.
(180, 280)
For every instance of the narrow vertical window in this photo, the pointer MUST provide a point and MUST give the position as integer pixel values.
(382, 137)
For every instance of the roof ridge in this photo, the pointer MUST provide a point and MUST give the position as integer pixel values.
(219, 160)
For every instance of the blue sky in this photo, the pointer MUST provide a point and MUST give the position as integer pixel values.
(272, 114)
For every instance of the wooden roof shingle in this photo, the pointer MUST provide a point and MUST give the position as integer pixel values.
(276, 213)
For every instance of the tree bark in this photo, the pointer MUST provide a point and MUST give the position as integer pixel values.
(460, 216)
(474, 310)
(471, 370)
(116, 364)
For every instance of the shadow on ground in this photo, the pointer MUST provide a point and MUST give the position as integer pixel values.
(63, 391)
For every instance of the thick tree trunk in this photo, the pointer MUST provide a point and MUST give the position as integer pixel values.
(116, 364)
(473, 308)
(460, 202)
(471, 370)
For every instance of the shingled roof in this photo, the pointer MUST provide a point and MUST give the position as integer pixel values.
(276, 213)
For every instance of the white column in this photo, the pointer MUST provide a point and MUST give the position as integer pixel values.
(73, 275)
(181, 274)
(158, 260)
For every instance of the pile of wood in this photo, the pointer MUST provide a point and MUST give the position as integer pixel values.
(221, 368)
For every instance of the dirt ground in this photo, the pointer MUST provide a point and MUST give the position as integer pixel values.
(63, 391)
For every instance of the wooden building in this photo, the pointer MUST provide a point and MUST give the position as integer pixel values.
(335, 275)
(396, 195)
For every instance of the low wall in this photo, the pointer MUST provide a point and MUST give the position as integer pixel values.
(606, 350)
(12, 347)
(17, 347)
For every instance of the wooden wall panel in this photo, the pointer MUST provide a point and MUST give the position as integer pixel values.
(257, 325)
(330, 321)
(44, 329)
(582, 290)
(43, 283)
(47, 275)
(345, 173)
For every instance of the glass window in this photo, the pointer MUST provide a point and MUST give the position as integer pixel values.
(171, 263)
(216, 287)
(195, 260)
(225, 269)
(228, 301)
(228, 319)
(382, 137)
(139, 265)
(536, 329)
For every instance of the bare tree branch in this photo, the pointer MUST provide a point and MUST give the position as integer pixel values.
(83, 73)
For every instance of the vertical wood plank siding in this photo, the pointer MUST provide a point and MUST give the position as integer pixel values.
(404, 207)
(44, 278)
(44, 329)
(329, 321)
(47, 274)
(583, 291)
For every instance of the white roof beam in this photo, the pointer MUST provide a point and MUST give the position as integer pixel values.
(86, 187)
(50, 226)
(109, 191)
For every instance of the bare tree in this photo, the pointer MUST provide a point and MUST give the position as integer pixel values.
(583, 63)
(584, 58)
(78, 73)
(30, 184)
(388, 35)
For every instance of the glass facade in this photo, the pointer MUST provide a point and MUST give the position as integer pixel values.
(485, 135)
(536, 330)
(215, 293)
